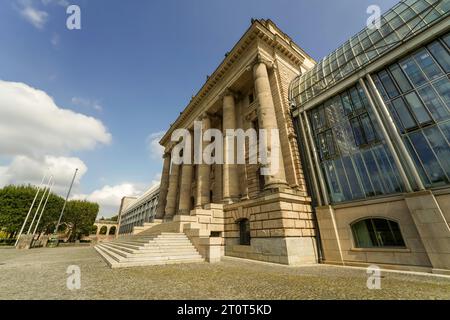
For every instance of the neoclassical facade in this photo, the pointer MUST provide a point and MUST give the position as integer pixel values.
(249, 215)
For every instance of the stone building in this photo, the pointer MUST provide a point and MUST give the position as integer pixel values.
(134, 212)
(364, 171)
(252, 216)
(373, 120)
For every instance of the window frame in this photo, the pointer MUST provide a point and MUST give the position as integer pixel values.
(378, 245)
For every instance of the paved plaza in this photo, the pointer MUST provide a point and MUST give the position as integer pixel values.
(41, 274)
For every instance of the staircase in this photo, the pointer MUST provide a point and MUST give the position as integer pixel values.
(147, 249)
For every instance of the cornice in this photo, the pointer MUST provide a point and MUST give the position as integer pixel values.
(258, 30)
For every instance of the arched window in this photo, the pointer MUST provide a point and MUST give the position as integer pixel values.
(244, 232)
(112, 231)
(377, 232)
(103, 230)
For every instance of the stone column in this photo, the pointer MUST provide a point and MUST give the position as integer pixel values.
(204, 170)
(230, 173)
(267, 120)
(185, 186)
(160, 210)
(171, 205)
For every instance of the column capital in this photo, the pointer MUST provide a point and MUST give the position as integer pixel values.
(230, 92)
(166, 155)
(270, 64)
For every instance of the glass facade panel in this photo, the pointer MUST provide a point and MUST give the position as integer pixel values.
(353, 157)
(422, 113)
(403, 113)
(434, 103)
(442, 86)
(400, 78)
(413, 72)
(417, 108)
(440, 54)
(388, 84)
(426, 62)
(399, 24)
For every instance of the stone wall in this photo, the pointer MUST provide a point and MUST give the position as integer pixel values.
(420, 218)
(281, 229)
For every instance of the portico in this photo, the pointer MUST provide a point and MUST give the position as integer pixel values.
(249, 90)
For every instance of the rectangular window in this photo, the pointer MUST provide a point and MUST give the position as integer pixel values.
(369, 133)
(441, 55)
(388, 84)
(434, 104)
(400, 78)
(446, 39)
(417, 108)
(426, 62)
(356, 99)
(375, 173)
(440, 147)
(357, 131)
(362, 171)
(346, 102)
(353, 178)
(427, 157)
(442, 86)
(413, 72)
(346, 145)
(404, 114)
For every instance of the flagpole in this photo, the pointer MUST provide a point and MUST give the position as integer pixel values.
(31, 208)
(65, 202)
(40, 203)
(43, 208)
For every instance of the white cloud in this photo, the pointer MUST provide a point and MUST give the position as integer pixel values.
(37, 136)
(28, 9)
(87, 103)
(109, 197)
(27, 170)
(155, 149)
(36, 17)
(32, 124)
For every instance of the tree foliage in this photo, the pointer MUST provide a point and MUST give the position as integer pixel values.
(15, 202)
(80, 217)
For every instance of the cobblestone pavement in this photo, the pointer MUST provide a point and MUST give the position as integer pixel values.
(41, 274)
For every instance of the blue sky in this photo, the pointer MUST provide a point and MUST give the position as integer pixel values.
(134, 66)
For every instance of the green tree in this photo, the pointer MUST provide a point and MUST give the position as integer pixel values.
(15, 202)
(79, 217)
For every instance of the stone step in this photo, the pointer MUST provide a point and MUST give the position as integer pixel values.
(116, 261)
(162, 248)
(131, 249)
(153, 242)
(149, 250)
(152, 256)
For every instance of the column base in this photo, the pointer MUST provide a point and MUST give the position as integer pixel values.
(231, 200)
(276, 185)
